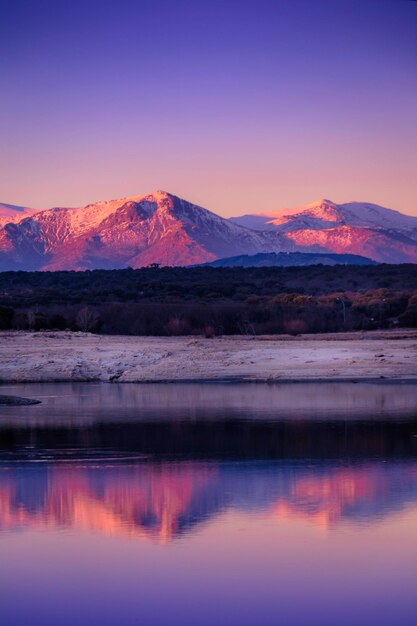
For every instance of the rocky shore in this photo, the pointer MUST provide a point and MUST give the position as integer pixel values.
(72, 357)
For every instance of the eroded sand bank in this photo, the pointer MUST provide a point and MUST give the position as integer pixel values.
(66, 356)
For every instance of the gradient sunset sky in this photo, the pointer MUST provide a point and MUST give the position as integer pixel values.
(237, 106)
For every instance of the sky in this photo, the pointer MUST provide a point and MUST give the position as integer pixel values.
(237, 106)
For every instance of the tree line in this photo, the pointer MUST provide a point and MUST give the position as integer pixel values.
(211, 301)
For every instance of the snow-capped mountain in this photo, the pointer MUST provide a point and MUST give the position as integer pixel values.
(326, 214)
(11, 213)
(134, 231)
(162, 228)
(355, 228)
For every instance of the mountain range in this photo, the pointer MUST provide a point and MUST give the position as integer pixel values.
(369, 230)
(159, 227)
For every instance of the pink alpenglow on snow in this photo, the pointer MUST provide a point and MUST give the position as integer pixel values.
(159, 227)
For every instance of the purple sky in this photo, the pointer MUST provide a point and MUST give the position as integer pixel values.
(238, 106)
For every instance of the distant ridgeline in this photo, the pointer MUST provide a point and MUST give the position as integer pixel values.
(291, 259)
(213, 301)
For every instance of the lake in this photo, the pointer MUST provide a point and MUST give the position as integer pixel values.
(209, 505)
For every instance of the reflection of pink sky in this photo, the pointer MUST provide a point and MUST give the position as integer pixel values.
(247, 110)
(150, 501)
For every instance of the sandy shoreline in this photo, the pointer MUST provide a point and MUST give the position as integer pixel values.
(72, 357)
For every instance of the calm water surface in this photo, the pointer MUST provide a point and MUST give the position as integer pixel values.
(209, 505)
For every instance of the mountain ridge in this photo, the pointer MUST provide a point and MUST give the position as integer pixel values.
(133, 231)
(362, 228)
(336, 213)
(162, 228)
(13, 213)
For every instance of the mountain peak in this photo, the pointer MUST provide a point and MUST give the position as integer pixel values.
(322, 212)
(134, 231)
(320, 202)
(158, 194)
(352, 228)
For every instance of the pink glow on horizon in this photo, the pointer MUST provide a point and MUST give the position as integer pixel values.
(259, 110)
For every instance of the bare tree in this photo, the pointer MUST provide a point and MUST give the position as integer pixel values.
(31, 319)
(87, 319)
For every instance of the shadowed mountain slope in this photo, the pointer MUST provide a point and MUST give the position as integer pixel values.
(290, 259)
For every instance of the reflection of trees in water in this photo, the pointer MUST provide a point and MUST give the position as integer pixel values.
(163, 500)
(85, 404)
(222, 439)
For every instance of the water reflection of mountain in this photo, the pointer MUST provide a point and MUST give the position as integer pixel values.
(164, 500)
(157, 461)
